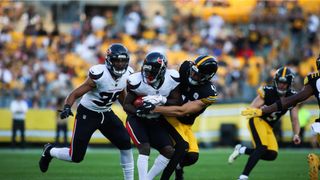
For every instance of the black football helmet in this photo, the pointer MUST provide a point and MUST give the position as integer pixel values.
(283, 75)
(203, 69)
(318, 63)
(117, 59)
(153, 68)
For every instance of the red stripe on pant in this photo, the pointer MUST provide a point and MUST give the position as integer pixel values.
(133, 137)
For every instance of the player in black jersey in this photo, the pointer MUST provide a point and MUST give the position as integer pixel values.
(310, 88)
(261, 128)
(198, 93)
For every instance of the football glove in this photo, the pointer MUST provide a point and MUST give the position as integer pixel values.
(145, 109)
(251, 112)
(155, 99)
(66, 112)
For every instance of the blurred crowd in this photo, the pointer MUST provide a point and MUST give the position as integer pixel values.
(47, 64)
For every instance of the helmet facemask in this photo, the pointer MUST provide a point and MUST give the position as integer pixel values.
(117, 64)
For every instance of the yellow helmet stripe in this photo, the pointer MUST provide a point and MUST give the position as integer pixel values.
(201, 61)
(284, 71)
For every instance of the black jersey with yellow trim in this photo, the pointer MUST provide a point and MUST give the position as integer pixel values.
(312, 80)
(270, 95)
(205, 92)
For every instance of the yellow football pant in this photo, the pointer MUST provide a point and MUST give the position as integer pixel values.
(262, 134)
(185, 132)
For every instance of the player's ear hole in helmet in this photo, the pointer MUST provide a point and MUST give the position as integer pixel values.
(203, 69)
(283, 80)
(117, 59)
(153, 68)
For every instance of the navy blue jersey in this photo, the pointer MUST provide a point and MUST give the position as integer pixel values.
(205, 92)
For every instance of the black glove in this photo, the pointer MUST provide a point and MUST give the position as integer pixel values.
(66, 112)
(145, 109)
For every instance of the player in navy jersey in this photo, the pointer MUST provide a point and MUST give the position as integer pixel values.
(261, 128)
(151, 130)
(198, 93)
(105, 84)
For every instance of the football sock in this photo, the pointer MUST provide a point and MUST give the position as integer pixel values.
(127, 163)
(253, 159)
(159, 164)
(248, 151)
(60, 153)
(142, 164)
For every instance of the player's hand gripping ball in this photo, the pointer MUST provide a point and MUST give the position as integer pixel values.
(138, 102)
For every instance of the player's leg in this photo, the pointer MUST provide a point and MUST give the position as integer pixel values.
(14, 133)
(191, 157)
(272, 145)
(160, 140)
(313, 161)
(177, 131)
(259, 136)
(113, 129)
(84, 126)
(138, 133)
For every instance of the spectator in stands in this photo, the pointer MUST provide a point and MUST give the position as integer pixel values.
(18, 108)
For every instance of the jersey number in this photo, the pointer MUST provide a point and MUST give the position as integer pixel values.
(273, 116)
(106, 98)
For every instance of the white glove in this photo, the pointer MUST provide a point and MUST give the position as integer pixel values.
(155, 99)
(315, 127)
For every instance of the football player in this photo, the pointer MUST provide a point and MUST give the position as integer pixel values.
(310, 88)
(261, 128)
(104, 85)
(149, 130)
(198, 93)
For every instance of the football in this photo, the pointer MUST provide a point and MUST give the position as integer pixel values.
(138, 101)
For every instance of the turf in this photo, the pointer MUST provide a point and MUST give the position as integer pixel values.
(104, 164)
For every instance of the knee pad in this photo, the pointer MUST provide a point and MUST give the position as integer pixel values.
(167, 151)
(190, 159)
(144, 149)
(270, 155)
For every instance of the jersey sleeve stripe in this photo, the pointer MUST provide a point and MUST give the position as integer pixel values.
(209, 100)
(95, 77)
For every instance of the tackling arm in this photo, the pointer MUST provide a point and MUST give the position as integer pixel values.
(189, 108)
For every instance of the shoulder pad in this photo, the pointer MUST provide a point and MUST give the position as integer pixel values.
(174, 74)
(211, 97)
(134, 79)
(130, 70)
(96, 71)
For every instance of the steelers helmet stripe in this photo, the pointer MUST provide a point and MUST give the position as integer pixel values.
(284, 71)
(203, 59)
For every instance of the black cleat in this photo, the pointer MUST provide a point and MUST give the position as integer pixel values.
(45, 158)
(179, 174)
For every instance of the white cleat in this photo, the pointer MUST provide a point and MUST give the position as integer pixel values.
(243, 177)
(235, 153)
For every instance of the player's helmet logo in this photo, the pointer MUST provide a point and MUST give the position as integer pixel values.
(154, 68)
(117, 59)
(283, 80)
(202, 70)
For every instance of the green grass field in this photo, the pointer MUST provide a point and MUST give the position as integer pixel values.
(104, 164)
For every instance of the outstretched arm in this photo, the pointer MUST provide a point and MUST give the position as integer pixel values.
(189, 108)
(287, 102)
(295, 125)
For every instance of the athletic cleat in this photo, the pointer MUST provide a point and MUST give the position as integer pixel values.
(45, 158)
(313, 161)
(234, 154)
